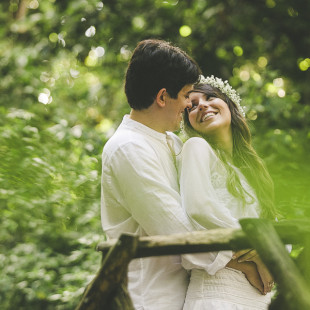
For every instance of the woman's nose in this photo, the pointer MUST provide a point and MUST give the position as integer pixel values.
(202, 104)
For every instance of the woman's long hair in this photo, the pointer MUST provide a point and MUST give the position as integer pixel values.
(244, 156)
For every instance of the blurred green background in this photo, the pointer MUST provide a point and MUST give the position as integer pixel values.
(62, 65)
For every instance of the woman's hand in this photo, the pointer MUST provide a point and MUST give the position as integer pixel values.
(245, 255)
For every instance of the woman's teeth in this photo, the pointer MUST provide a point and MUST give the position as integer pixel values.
(207, 115)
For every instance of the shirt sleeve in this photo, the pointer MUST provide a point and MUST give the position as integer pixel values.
(201, 202)
(148, 195)
(197, 192)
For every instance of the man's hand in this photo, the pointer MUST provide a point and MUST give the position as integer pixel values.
(250, 271)
(264, 273)
(250, 255)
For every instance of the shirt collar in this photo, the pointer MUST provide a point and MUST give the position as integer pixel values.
(127, 121)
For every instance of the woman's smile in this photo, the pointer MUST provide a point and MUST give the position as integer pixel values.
(208, 115)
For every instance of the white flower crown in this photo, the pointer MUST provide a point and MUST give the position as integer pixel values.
(225, 88)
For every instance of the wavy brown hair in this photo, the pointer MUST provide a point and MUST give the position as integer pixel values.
(244, 156)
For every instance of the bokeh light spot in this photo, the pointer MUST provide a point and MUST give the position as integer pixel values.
(53, 37)
(170, 2)
(99, 6)
(304, 64)
(185, 31)
(238, 51)
(33, 4)
(270, 4)
(278, 82)
(256, 77)
(74, 73)
(291, 12)
(244, 75)
(91, 60)
(105, 125)
(138, 22)
(281, 93)
(271, 89)
(90, 32)
(77, 131)
(125, 52)
(221, 52)
(100, 51)
(262, 61)
(45, 96)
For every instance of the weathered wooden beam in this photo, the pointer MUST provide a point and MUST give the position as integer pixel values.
(108, 289)
(193, 242)
(272, 251)
(211, 240)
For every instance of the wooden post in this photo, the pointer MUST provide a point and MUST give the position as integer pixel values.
(303, 261)
(272, 251)
(108, 290)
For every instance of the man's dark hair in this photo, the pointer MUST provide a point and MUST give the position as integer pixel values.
(156, 64)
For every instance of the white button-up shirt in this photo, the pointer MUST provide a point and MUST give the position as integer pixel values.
(140, 194)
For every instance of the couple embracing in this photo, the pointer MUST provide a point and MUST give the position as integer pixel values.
(153, 184)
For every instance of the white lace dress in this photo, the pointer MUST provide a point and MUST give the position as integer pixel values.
(210, 205)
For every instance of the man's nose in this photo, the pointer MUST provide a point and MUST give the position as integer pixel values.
(188, 103)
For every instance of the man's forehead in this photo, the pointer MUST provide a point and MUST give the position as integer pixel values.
(195, 93)
(187, 88)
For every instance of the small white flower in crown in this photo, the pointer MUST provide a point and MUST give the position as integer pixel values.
(225, 88)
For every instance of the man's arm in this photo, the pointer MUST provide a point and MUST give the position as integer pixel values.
(255, 273)
(147, 192)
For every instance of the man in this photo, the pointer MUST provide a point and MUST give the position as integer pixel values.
(140, 191)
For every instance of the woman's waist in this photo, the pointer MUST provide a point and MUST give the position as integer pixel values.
(227, 284)
(225, 276)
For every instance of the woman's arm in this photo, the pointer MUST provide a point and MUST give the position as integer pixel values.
(199, 197)
(201, 202)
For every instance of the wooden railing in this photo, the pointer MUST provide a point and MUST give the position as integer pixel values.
(108, 290)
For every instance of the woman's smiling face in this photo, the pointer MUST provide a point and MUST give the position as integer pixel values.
(209, 116)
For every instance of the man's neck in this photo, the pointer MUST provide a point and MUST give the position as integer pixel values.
(149, 118)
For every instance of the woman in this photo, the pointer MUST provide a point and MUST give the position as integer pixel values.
(222, 179)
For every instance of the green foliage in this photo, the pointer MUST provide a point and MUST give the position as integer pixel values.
(62, 65)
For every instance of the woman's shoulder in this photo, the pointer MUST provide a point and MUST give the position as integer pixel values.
(197, 143)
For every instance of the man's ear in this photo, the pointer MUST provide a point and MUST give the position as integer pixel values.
(160, 98)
